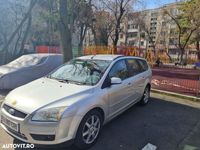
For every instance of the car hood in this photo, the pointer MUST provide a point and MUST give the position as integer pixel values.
(44, 91)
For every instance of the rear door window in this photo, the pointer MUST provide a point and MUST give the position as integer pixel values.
(133, 67)
(143, 65)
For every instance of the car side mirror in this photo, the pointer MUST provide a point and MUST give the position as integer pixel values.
(115, 80)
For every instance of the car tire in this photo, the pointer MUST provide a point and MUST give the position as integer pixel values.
(146, 96)
(89, 130)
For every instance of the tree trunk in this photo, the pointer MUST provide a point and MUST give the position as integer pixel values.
(83, 30)
(95, 36)
(116, 36)
(26, 34)
(181, 55)
(65, 32)
(198, 49)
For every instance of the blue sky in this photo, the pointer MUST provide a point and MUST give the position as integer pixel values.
(156, 3)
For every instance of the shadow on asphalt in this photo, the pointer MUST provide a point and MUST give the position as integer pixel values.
(161, 123)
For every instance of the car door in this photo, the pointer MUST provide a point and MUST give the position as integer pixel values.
(136, 78)
(119, 94)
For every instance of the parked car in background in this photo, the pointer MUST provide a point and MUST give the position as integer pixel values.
(197, 65)
(27, 68)
(73, 102)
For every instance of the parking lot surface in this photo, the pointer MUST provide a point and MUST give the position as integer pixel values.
(165, 124)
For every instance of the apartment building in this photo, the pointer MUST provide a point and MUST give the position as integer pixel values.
(151, 28)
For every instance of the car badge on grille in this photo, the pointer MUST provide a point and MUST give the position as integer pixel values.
(14, 102)
(11, 111)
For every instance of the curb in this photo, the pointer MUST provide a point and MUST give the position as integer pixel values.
(186, 97)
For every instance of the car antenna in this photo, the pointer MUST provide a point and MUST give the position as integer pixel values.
(93, 56)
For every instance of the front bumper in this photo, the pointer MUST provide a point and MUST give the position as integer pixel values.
(42, 133)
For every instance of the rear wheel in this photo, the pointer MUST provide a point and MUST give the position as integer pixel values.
(146, 96)
(89, 129)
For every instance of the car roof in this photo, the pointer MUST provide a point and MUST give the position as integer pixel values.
(42, 54)
(107, 57)
(100, 57)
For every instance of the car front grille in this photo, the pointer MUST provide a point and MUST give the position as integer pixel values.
(15, 113)
(43, 137)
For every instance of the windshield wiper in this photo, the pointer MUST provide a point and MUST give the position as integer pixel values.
(59, 80)
(77, 83)
(63, 81)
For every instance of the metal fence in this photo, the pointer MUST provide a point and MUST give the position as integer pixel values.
(168, 77)
(182, 80)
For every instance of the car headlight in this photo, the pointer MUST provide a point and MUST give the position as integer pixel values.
(49, 115)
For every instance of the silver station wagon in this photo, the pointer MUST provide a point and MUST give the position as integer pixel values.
(73, 102)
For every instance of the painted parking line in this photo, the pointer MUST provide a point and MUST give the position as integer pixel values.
(150, 146)
(188, 147)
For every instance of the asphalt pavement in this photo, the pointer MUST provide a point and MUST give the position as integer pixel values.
(168, 125)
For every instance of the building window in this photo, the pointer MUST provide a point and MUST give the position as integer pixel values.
(135, 26)
(152, 33)
(129, 26)
(153, 19)
(132, 43)
(173, 41)
(142, 35)
(132, 34)
(142, 43)
(154, 24)
(153, 28)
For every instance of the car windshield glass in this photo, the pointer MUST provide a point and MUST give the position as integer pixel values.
(26, 61)
(87, 72)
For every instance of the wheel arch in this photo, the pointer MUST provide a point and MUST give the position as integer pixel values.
(148, 85)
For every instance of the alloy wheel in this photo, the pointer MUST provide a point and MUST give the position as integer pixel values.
(146, 95)
(91, 129)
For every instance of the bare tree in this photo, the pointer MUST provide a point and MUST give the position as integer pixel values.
(12, 36)
(84, 20)
(118, 9)
(103, 27)
(71, 17)
(187, 22)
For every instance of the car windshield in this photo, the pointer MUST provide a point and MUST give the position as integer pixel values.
(85, 72)
(26, 61)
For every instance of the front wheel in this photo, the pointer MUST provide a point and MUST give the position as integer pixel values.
(146, 96)
(89, 130)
